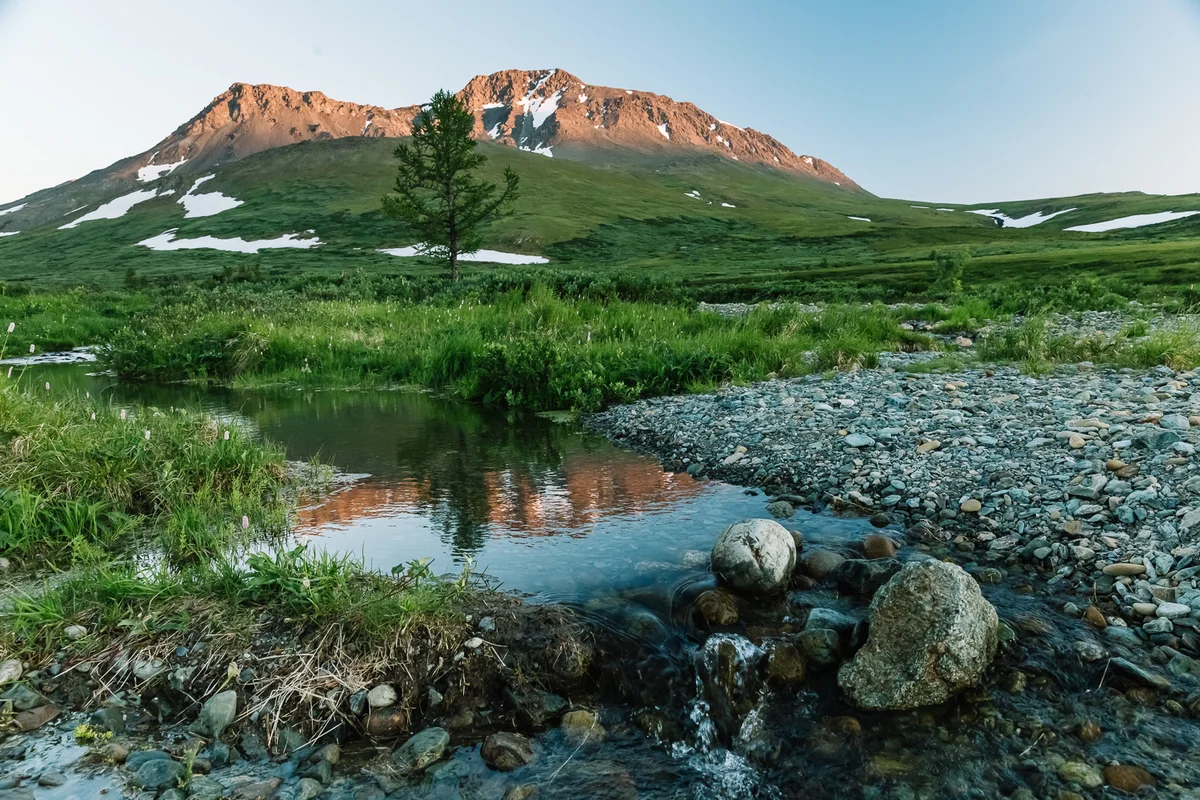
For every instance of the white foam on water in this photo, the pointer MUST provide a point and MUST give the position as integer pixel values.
(663, 130)
(80, 355)
(1134, 221)
(8, 233)
(115, 209)
(860, 219)
(481, 256)
(152, 172)
(1027, 221)
(11, 209)
(167, 241)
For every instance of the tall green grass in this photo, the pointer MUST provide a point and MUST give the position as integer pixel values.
(526, 348)
(78, 476)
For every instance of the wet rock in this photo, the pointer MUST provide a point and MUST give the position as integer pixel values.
(506, 751)
(35, 718)
(260, 790)
(384, 722)
(136, 759)
(421, 750)
(382, 696)
(820, 565)
(1090, 732)
(829, 618)
(1081, 773)
(878, 546)
(865, 577)
(526, 791)
(534, 707)
(1127, 777)
(820, 647)
(358, 702)
(157, 774)
(112, 753)
(1140, 675)
(321, 771)
(51, 779)
(717, 608)
(755, 556)
(110, 718)
(330, 754)
(785, 664)
(201, 787)
(23, 698)
(932, 633)
(1119, 570)
(581, 724)
(217, 714)
(306, 789)
(1095, 618)
(781, 509)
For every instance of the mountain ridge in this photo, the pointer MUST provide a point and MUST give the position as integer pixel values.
(547, 112)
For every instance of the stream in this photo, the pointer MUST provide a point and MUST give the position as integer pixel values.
(559, 514)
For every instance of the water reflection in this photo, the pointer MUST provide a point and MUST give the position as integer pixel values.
(543, 507)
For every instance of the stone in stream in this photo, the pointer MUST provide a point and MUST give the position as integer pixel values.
(932, 633)
(877, 545)
(506, 751)
(384, 722)
(307, 789)
(717, 608)
(158, 774)
(1127, 777)
(23, 698)
(820, 565)
(1081, 773)
(421, 750)
(755, 556)
(217, 714)
(864, 577)
(35, 718)
(781, 509)
(728, 670)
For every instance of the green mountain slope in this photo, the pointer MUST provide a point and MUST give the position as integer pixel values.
(751, 228)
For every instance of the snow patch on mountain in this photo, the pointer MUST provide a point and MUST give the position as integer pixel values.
(117, 208)
(167, 241)
(11, 209)
(485, 256)
(152, 172)
(1134, 221)
(206, 205)
(1027, 221)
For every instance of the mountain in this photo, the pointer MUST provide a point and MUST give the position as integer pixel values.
(634, 181)
(549, 112)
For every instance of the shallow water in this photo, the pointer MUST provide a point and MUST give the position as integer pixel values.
(549, 509)
(543, 507)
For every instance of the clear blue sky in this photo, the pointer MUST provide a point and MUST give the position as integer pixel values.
(959, 101)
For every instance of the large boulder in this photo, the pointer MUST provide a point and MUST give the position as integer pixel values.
(755, 556)
(932, 633)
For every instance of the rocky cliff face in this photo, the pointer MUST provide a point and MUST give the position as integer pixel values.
(549, 112)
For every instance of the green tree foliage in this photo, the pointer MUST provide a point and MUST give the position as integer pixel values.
(948, 266)
(438, 192)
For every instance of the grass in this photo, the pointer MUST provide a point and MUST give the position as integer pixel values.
(531, 349)
(1033, 345)
(787, 237)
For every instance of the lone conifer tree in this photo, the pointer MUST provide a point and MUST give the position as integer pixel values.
(438, 192)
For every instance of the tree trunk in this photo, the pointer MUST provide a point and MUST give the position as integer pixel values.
(454, 274)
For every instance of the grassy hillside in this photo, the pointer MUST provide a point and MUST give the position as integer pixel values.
(785, 235)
